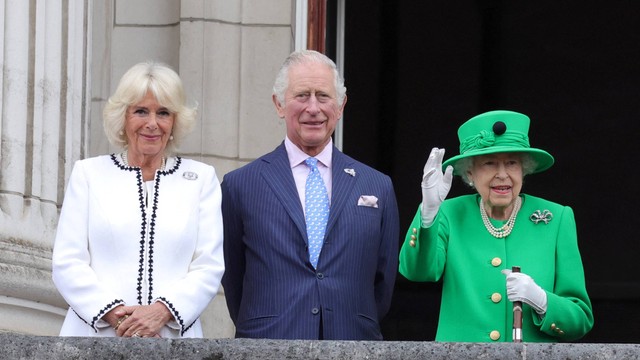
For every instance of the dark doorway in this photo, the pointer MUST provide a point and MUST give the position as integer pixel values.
(415, 70)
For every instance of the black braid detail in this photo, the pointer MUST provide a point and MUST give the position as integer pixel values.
(121, 165)
(83, 320)
(101, 313)
(130, 168)
(174, 168)
(152, 233)
(152, 223)
(143, 225)
(116, 163)
(175, 314)
(189, 327)
(143, 229)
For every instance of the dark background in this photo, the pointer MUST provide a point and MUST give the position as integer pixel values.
(416, 70)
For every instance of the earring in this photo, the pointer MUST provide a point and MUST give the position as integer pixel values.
(170, 137)
(121, 133)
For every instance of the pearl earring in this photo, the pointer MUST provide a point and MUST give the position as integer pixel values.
(170, 137)
(120, 132)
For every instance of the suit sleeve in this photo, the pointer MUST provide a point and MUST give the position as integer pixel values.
(232, 280)
(388, 254)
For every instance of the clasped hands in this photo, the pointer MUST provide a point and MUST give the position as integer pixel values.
(138, 321)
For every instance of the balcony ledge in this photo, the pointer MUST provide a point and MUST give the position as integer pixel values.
(19, 346)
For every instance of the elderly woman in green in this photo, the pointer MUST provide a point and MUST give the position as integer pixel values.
(471, 242)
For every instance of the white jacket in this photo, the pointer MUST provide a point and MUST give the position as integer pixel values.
(116, 245)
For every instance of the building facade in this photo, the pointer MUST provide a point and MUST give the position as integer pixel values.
(62, 59)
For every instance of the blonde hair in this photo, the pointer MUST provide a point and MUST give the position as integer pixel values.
(165, 85)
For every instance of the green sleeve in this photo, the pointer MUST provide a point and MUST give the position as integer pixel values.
(569, 314)
(424, 261)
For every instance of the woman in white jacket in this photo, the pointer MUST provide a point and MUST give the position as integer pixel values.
(138, 251)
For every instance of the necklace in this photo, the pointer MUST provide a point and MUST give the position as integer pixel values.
(503, 231)
(125, 160)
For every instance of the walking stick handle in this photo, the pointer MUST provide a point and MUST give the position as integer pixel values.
(517, 314)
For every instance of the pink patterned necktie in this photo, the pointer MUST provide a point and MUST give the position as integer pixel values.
(316, 210)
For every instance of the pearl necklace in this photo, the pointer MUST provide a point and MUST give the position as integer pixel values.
(503, 231)
(125, 160)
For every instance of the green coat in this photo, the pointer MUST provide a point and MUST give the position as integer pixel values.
(475, 308)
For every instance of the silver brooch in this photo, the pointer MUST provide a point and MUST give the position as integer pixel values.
(538, 216)
(189, 175)
(350, 172)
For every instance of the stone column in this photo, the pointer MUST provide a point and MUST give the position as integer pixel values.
(61, 60)
(230, 52)
(43, 116)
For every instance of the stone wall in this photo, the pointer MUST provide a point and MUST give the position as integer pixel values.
(17, 346)
(43, 92)
(61, 61)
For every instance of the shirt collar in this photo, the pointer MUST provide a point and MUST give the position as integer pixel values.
(297, 156)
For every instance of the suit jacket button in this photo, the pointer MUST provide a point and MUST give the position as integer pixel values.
(315, 311)
(320, 276)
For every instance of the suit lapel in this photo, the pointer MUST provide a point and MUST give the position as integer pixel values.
(342, 185)
(277, 174)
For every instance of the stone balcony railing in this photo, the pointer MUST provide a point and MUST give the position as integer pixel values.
(18, 346)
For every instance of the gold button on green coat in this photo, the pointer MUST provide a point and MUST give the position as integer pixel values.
(496, 261)
(494, 335)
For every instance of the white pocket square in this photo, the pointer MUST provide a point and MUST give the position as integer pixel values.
(368, 200)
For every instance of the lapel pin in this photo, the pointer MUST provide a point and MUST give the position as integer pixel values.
(350, 172)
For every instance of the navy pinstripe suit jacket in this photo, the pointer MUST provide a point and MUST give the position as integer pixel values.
(271, 289)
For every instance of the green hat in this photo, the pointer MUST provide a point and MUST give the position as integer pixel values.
(498, 131)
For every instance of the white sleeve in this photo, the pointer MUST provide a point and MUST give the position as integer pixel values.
(72, 274)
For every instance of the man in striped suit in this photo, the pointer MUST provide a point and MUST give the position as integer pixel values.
(277, 285)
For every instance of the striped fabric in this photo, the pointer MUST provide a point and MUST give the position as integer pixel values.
(271, 287)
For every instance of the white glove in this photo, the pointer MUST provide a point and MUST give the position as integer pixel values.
(435, 186)
(521, 287)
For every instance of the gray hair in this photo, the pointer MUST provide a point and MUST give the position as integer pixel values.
(165, 85)
(464, 165)
(307, 57)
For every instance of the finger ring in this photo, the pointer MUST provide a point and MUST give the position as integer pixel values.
(135, 334)
(120, 321)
